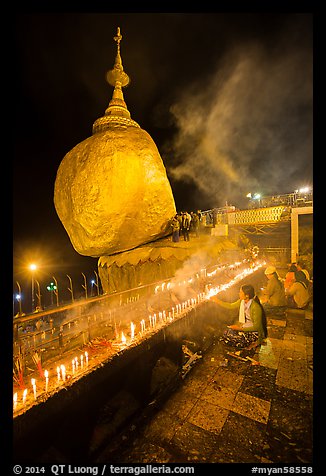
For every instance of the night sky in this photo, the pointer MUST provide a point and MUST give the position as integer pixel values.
(226, 97)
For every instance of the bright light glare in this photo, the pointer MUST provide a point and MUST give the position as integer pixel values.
(32, 267)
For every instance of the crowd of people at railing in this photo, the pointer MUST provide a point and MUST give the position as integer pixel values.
(183, 223)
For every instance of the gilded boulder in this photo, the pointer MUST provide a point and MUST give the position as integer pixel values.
(112, 193)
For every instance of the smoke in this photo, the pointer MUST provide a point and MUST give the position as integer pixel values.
(246, 128)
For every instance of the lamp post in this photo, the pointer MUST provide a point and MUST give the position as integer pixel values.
(85, 285)
(96, 284)
(38, 295)
(56, 290)
(51, 288)
(32, 267)
(19, 298)
(71, 289)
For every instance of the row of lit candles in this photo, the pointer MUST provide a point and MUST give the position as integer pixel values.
(163, 317)
(188, 304)
(233, 281)
(61, 375)
(170, 284)
(176, 311)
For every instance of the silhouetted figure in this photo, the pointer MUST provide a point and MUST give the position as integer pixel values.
(175, 229)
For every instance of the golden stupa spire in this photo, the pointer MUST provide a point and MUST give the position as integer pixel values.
(117, 112)
(117, 75)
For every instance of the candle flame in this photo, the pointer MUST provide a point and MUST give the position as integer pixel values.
(132, 329)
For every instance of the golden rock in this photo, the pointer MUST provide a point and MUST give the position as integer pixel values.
(111, 191)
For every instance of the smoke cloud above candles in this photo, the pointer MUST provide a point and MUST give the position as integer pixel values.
(246, 128)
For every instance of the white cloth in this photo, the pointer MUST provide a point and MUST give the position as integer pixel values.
(242, 317)
(244, 313)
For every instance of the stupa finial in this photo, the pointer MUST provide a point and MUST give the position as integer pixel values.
(117, 39)
(117, 112)
(117, 74)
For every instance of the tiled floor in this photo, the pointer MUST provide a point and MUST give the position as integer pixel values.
(234, 411)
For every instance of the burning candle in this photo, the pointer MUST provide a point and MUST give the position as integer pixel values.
(24, 396)
(154, 320)
(63, 371)
(58, 373)
(34, 387)
(82, 361)
(73, 366)
(123, 338)
(15, 400)
(76, 363)
(46, 375)
(86, 357)
(132, 330)
(142, 325)
(150, 321)
(173, 312)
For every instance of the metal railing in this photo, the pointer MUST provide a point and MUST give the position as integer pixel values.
(71, 327)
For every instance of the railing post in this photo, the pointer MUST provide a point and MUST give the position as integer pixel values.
(61, 336)
(85, 285)
(15, 331)
(89, 329)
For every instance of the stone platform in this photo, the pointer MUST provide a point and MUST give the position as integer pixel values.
(230, 409)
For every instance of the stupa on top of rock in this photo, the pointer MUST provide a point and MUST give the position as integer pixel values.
(111, 191)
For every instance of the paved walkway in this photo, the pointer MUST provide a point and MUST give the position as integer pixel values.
(230, 409)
